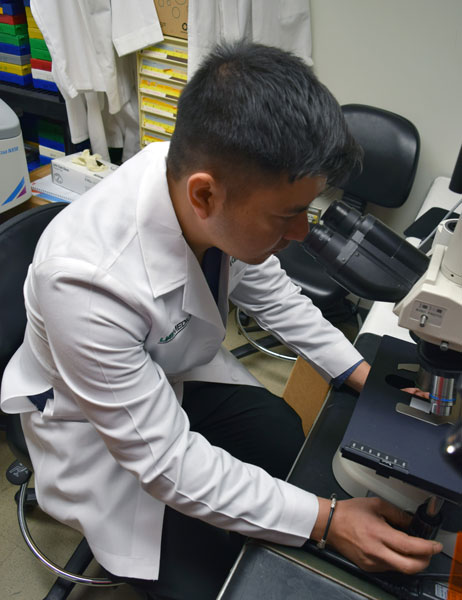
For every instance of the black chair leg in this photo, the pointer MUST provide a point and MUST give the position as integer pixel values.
(78, 562)
(31, 498)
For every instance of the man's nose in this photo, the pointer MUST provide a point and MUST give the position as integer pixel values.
(299, 228)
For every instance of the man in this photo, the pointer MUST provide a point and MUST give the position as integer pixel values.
(144, 433)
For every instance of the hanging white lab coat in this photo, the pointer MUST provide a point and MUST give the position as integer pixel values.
(282, 23)
(92, 45)
(120, 314)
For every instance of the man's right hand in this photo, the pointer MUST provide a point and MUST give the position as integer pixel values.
(368, 531)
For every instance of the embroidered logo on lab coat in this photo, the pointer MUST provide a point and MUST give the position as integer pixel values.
(176, 330)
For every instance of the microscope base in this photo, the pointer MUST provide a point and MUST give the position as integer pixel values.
(360, 481)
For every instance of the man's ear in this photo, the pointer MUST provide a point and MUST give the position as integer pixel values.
(205, 194)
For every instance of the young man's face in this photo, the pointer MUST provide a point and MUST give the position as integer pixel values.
(266, 220)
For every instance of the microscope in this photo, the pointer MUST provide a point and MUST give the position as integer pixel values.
(403, 447)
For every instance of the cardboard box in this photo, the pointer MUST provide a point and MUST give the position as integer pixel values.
(173, 17)
(305, 392)
(77, 177)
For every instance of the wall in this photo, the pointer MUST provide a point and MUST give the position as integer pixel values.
(404, 56)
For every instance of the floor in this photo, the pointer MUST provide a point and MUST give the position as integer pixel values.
(21, 575)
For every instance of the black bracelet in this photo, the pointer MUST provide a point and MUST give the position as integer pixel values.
(333, 502)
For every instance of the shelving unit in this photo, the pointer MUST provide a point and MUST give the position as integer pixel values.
(41, 103)
(162, 75)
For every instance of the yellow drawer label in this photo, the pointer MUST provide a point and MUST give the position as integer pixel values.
(166, 53)
(158, 124)
(165, 73)
(168, 110)
(150, 138)
(159, 89)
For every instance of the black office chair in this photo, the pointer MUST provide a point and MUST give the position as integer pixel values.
(18, 238)
(391, 145)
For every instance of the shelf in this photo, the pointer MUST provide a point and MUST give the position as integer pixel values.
(38, 102)
(41, 103)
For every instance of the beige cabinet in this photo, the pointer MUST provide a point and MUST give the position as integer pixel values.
(162, 75)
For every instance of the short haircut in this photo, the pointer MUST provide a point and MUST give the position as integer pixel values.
(258, 110)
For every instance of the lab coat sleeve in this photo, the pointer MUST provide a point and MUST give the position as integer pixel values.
(96, 330)
(266, 293)
(135, 25)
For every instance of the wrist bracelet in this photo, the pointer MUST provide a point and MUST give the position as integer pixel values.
(333, 502)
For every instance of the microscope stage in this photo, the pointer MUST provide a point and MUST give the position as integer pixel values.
(395, 444)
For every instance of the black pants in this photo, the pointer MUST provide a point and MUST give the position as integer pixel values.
(253, 425)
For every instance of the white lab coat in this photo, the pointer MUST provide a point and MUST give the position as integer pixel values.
(120, 315)
(282, 23)
(92, 45)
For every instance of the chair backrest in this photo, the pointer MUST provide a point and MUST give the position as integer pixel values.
(18, 239)
(391, 145)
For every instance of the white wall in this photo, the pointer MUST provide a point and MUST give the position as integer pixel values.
(404, 56)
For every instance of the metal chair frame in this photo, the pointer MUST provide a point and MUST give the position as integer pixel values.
(257, 345)
(47, 563)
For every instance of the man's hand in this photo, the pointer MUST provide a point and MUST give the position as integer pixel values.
(358, 378)
(417, 392)
(363, 530)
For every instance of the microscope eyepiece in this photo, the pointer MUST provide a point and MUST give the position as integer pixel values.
(341, 217)
(363, 255)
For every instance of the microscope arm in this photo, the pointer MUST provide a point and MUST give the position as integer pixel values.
(432, 309)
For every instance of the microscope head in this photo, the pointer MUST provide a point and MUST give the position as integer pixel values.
(372, 261)
(363, 255)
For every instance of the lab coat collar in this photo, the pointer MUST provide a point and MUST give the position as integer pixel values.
(170, 263)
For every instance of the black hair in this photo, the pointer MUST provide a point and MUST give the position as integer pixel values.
(252, 107)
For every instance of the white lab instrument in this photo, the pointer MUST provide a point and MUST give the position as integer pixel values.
(14, 179)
